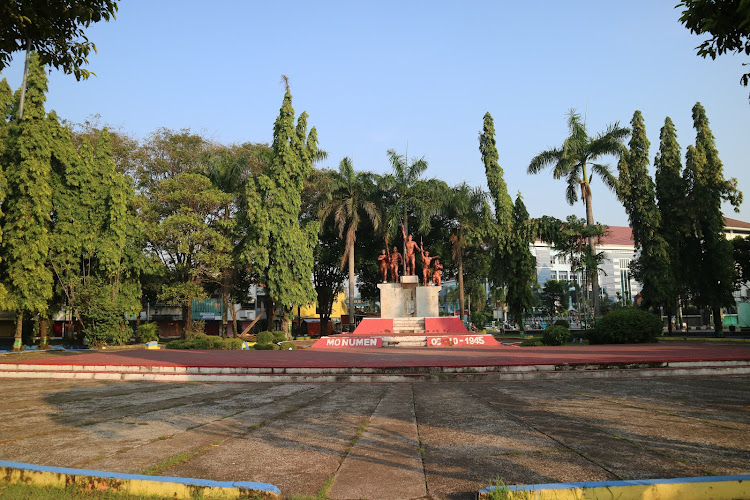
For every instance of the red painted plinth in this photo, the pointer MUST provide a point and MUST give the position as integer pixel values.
(347, 341)
(444, 325)
(462, 341)
(374, 326)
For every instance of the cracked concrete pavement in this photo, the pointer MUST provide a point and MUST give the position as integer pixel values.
(384, 441)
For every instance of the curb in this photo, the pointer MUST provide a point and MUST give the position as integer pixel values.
(685, 488)
(171, 487)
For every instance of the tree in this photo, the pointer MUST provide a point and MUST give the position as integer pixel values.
(54, 30)
(27, 207)
(728, 23)
(573, 160)
(637, 193)
(278, 246)
(468, 214)
(229, 168)
(671, 196)
(348, 203)
(555, 297)
(498, 188)
(710, 261)
(95, 250)
(520, 270)
(182, 226)
(409, 194)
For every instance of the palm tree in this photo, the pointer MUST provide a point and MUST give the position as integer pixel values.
(576, 162)
(410, 193)
(469, 215)
(349, 202)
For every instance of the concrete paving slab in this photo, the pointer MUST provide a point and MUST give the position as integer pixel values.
(385, 462)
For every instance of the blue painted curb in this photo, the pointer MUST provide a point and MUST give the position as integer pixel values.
(249, 485)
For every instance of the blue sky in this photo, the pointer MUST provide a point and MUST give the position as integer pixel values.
(380, 75)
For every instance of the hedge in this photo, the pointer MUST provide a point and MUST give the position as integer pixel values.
(626, 326)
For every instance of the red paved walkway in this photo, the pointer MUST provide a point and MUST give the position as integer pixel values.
(403, 357)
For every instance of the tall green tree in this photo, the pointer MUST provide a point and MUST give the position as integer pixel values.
(519, 273)
(576, 162)
(673, 210)
(350, 201)
(6, 106)
(555, 297)
(278, 245)
(495, 181)
(182, 225)
(54, 30)
(710, 253)
(728, 23)
(27, 207)
(468, 215)
(637, 192)
(409, 194)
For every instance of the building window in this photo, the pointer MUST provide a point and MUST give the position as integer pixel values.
(563, 275)
(625, 285)
(553, 275)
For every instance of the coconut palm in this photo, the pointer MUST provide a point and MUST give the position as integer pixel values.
(576, 162)
(469, 215)
(408, 193)
(348, 203)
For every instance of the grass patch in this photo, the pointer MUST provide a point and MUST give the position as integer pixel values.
(175, 460)
(30, 492)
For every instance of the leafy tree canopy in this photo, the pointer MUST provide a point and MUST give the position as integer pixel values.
(54, 29)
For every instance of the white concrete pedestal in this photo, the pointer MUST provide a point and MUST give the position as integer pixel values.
(408, 300)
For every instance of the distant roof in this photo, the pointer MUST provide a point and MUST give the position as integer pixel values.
(736, 223)
(618, 235)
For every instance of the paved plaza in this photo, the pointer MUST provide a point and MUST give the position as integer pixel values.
(381, 440)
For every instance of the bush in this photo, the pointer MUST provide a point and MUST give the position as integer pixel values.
(266, 347)
(265, 338)
(285, 346)
(197, 328)
(625, 326)
(278, 336)
(203, 341)
(563, 322)
(532, 342)
(111, 331)
(555, 335)
(148, 332)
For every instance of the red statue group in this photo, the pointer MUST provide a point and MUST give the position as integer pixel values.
(390, 262)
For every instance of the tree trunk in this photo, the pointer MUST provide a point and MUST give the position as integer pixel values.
(718, 323)
(406, 231)
(461, 302)
(224, 304)
(25, 78)
(188, 310)
(234, 318)
(351, 288)
(43, 338)
(18, 340)
(592, 244)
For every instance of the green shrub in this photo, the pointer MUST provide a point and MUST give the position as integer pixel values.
(178, 344)
(197, 328)
(110, 331)
(285, 346)
(148, 332)
(264, 338)
(233, 344)
(266, 347)
(562, 322)
(278, 336)
(532, 342)
(625, 326)
(555, 335)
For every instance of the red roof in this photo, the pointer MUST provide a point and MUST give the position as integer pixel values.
(736, 223)
(618, 235)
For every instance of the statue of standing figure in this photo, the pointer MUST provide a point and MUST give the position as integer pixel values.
(410, 245)
(426, 261)
(437, 278)
(395, 262)
(384, 261)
